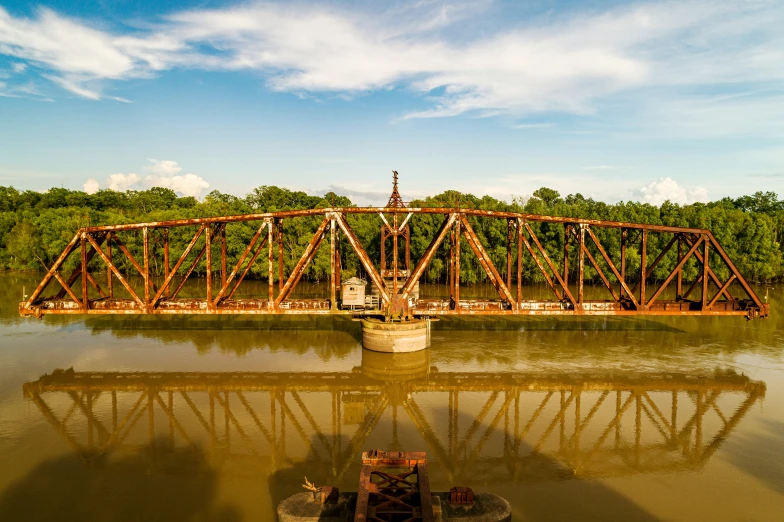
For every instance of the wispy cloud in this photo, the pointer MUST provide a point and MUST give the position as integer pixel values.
(533, 125)
(564, 63)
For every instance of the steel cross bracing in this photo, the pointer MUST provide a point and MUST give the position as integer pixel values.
(99, 248)
(491, 429)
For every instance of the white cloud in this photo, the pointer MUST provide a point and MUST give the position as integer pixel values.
(74, 86)
(19, 68)
(664, 189)
(91, 186)
(186, 185)
(163, 173)
(163, 167)
(121, 182)
(564, 62)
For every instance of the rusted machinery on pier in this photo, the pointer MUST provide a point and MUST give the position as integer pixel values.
(395, 284)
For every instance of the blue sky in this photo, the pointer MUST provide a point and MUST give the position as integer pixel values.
(638, 100)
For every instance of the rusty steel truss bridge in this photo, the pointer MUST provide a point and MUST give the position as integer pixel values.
(395, 279)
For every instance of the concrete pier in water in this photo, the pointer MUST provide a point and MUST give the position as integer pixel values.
(396, 337)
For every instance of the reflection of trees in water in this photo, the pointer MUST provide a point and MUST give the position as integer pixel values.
(328, 337)
(478, 428)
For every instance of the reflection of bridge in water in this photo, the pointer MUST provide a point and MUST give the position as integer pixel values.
(479, 428)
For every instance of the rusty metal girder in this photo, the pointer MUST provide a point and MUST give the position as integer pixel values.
(566, 281)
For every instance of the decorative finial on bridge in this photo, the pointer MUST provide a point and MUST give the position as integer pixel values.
(395, 200)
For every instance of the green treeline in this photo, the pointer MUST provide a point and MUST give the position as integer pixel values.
(35, 228)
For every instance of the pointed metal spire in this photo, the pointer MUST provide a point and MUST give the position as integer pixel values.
(395, 200)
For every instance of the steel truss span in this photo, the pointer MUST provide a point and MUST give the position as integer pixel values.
(489, 428)
(584, 245)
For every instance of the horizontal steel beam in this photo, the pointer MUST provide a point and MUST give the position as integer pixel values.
(421, 307)
(393, 210)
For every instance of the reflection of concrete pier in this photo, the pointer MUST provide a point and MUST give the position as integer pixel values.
(491, 427)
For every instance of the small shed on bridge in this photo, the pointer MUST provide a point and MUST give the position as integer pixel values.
(353, 292)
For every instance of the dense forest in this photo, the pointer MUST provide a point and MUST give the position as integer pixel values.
(35, 227)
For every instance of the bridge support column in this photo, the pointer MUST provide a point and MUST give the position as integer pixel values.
(396, 337)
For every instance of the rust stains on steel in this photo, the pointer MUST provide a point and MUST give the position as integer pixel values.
(636, 293)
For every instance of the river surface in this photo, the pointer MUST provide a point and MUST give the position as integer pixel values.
(220, 418)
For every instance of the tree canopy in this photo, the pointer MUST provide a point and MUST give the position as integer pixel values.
(36, 226)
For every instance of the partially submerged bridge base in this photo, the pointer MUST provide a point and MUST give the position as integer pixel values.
(395, 337)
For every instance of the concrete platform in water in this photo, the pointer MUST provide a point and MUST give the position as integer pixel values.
(392, 337)
(301, 507)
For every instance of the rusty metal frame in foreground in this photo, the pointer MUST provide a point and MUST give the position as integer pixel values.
(393, 484)
(627, 293)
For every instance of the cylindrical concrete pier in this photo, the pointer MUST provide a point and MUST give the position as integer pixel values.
(391, 337)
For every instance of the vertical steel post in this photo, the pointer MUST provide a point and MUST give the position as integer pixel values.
(394, 256)
(567, 231)
(271, 259)
(383, 249)
(208, 246)
(407, 234)
(624, 235)
(452, 264)
(223, 256)
(509, 241)
(679, 289)
(166, 261)
(280, 254)
(519, 263)
(457, 265)
(643, 267)
(85, 297)
(705, 271)
(581, 266)
(109, 272)
(146, 241)
(338, 263)
(333, 267)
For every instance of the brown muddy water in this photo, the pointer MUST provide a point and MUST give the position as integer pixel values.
(220, 418)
